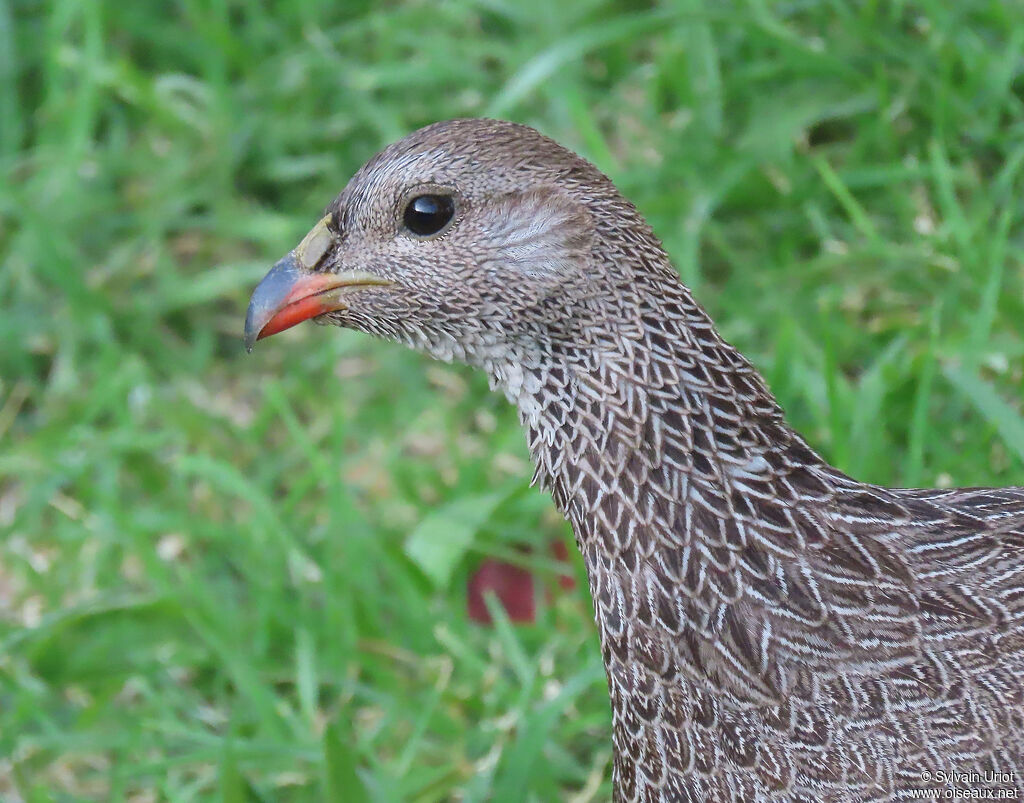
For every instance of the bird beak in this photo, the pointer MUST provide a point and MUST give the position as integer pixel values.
(293, 291)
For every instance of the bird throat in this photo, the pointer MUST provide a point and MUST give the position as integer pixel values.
(664, 448)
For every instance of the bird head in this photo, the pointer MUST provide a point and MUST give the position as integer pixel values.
(471, 240)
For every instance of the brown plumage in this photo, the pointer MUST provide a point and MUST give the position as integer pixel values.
(771, 628)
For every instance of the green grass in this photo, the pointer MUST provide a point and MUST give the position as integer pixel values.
(205, 589)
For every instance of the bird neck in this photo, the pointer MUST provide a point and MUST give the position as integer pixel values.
(652, 406)
(664, 448)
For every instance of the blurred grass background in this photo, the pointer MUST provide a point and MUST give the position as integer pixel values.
(206, 585)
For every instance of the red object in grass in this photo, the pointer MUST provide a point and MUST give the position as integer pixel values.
(565, 579)
(513, 585)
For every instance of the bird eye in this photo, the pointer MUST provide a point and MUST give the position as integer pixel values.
(428, 214)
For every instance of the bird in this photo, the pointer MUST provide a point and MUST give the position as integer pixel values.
(771, 628)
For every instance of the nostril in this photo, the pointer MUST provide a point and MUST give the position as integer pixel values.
(314, 245)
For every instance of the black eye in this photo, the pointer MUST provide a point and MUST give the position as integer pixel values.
(428, 214)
